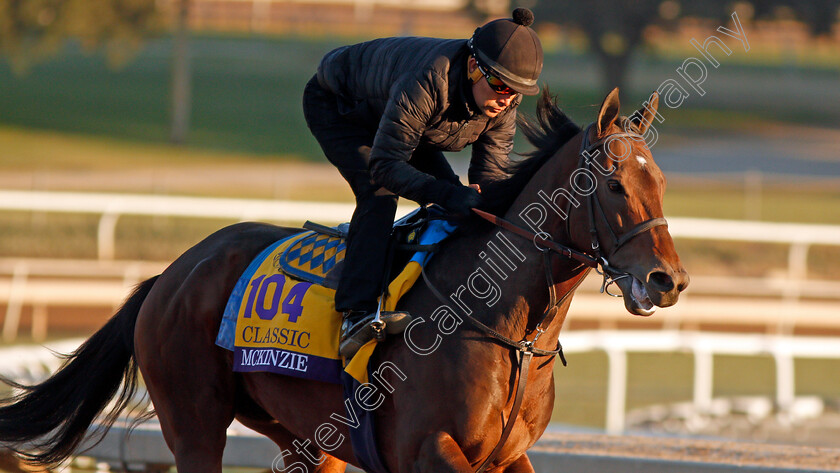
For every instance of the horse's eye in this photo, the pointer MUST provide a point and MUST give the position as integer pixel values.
(615, 186)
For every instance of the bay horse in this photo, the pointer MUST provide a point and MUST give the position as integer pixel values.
(444, 398)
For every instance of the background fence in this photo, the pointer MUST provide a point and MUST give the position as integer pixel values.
(780, 302)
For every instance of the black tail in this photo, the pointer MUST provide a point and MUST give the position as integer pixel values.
(46, 422)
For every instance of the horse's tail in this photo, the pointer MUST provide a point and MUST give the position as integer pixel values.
(45, 423)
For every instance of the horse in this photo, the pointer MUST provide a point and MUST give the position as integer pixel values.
(450, 396)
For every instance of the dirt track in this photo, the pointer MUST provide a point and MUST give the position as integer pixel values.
(738, 454)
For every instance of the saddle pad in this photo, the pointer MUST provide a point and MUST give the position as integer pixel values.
(311, 256)
(277, 323)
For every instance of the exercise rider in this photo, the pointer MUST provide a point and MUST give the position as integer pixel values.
(383, 111)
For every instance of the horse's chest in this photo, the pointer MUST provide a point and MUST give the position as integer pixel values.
(493, 410)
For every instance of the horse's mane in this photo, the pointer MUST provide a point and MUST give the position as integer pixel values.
(548, 132)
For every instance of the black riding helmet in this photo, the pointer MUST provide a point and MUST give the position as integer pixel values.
(509, 49)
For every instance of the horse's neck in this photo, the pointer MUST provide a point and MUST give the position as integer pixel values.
(564, 272)
(516, 266)
(548, 191)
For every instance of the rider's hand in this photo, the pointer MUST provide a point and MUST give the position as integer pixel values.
(460, 199)
(455, 198)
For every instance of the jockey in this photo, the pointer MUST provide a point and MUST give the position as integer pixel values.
(383, 111)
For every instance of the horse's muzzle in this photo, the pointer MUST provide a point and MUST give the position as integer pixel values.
(660, 289)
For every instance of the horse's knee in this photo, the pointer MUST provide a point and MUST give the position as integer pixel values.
(521, 465)
(198, 461)
(306, 461)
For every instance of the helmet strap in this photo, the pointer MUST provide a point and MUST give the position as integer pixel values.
(475, 75)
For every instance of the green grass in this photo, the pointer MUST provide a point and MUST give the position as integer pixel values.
(802, 204)
(247, 94)
(662, 378)
(27, 149)
(163, 239)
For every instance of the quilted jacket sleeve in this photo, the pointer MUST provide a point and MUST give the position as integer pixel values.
(413, 102)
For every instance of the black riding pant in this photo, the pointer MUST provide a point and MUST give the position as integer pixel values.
(346, 141)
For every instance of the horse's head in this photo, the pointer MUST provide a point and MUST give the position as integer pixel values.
(620, 218)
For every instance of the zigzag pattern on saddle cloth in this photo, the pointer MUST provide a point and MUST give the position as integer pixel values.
(312, 256)
(281, 317)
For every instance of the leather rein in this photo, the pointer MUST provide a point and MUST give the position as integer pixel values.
(526, 348)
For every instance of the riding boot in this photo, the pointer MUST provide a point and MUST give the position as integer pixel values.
(367, 252)
(365, 271)
(364, 265)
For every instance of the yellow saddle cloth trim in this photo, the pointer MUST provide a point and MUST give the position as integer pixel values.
(357, 367)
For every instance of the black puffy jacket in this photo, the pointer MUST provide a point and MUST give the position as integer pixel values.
(412, 91)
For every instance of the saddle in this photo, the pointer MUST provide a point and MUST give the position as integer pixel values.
(317, 255)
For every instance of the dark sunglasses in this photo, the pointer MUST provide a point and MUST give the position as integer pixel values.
(495, 83)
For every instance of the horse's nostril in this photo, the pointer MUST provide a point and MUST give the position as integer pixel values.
(661, 281)
(683, 282)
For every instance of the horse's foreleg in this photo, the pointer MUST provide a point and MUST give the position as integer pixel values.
(294, 455)
(440, 453)
(307, 460)
(521, 465)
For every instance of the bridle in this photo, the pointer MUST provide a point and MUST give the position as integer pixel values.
(547, 246)
(609, 272)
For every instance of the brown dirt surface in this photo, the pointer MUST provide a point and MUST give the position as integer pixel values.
(693, 450)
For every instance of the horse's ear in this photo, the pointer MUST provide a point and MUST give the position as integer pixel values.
(609, 112)
(644, 116)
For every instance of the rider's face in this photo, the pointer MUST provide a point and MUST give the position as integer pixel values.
(490, 102)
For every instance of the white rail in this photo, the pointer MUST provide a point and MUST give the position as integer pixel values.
(703, 346)
(19, 283)
(43, 283)
(111, 206)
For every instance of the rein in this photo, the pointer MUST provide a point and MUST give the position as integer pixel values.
(526, 348)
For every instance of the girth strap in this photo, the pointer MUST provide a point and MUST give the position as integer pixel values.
(524, 365)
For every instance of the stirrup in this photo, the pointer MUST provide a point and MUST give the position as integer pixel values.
(354, 336)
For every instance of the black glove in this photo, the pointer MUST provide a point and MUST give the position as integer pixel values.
(455, 198)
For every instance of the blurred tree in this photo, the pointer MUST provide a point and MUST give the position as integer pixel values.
(615, 28)
(32, 30)
(181, 75)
